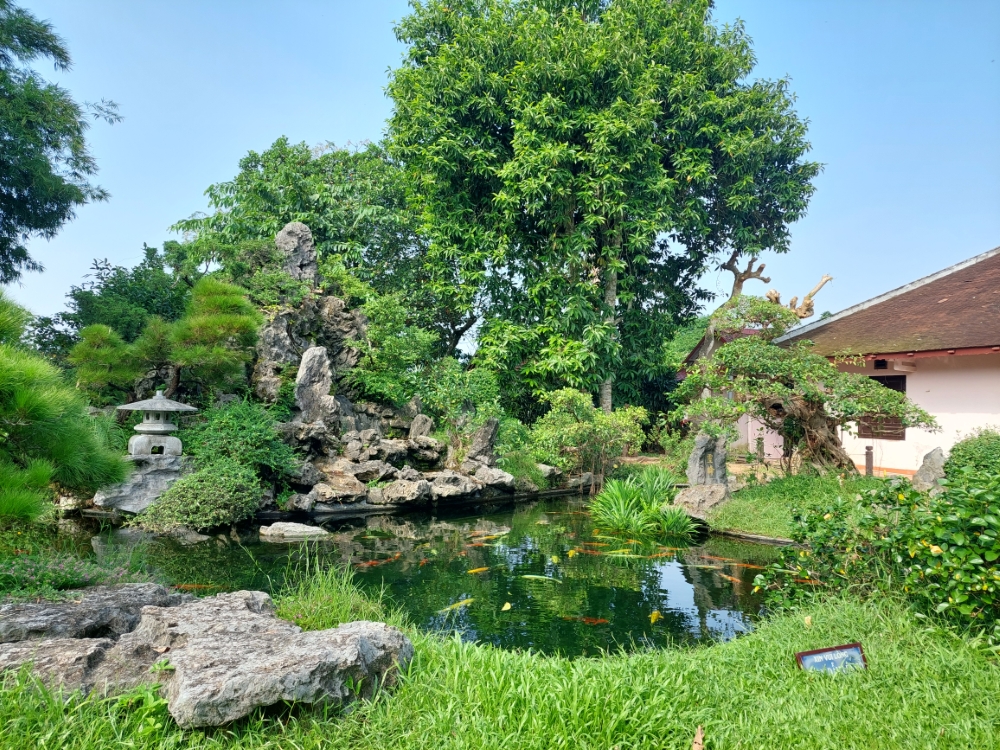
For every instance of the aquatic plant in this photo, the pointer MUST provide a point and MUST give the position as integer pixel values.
(640, 505)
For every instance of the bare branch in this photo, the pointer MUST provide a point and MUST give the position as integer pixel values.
(742, 276)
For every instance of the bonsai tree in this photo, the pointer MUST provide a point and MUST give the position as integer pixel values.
(802, 396)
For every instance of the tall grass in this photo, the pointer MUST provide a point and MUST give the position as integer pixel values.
(640, 505)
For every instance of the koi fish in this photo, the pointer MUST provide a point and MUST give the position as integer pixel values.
(506, 607)
(571, 553)
(195, 586)
(660, 554)
(720, 559)
(654, 616)
(456, 605)
(477, 570)
(704, 567)
(748, 565)
(541, 578)
(586, 620)
(586, 552)
(493, 536)
(373, 563)
(478, 544)
(595, 544)
(810, 581)
(424, 562)
(734, 579)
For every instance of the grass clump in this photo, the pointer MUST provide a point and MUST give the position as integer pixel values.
(769, 509)
(48, 575)
(640, 505)
(223, 492)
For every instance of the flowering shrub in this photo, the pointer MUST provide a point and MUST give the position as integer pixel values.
(941, 551)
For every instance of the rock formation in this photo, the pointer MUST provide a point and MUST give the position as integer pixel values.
(151, 476)
(930, 472)
(222, 656)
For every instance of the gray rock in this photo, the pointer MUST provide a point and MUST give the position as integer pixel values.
(470, 467)
(339, 488)
(483, 441)
(291, 532)
(59, 662)
(496, 478)
(306, 474)
(699, 499)
(375, 496)
(403, 492)
(369, 436)
(352, 451)
(413, 407)
(365, 471)
(930, 471)
(97, 612)
(707, 462)
(421, 426)
(449, 484)
(551, 473)
(187, 537)
(296, 242)
(523, 484)
(409, 474)
(392, 451)
(298, 501)
(584, 482)
(312, 386)
(151, 476)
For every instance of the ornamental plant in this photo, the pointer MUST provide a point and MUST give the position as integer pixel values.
(941, 551)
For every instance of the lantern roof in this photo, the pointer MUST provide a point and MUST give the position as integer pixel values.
(157, 403)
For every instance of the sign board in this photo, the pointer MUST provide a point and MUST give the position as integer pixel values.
(834, 659)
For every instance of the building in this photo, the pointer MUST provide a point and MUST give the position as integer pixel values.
(937, 339)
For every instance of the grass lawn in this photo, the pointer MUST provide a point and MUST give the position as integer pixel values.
(767, 508)
(922, 690)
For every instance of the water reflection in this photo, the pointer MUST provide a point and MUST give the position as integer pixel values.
(538, 577)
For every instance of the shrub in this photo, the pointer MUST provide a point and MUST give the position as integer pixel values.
(243, 432)
(575, 436)
(941, 551)
(980, 451)
(224, 492)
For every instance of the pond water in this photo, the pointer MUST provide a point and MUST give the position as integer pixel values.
(536, 576)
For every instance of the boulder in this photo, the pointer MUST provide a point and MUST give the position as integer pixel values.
(339, 488)
(365, 471)
(312, 387)
(299, 501)
(291, 532)
(151, 476)
(551, 473)
(495, 478)
(699, 499)
(352, 450)
(707, 462)
(403, 492)
(583, 483)
(295, 241)
(306, 474)
(59, 662)
(391, 451)
(450, 484)
(227, 656)
(97, 612)
(421, 426)
(409, 474)
(483, 441)
(930, 471)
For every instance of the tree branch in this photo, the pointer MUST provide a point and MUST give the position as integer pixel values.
(740, 277)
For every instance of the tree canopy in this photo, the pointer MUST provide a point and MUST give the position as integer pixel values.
(45, 167)
(577, 164)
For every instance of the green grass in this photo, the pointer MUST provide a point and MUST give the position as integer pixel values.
(767, 508)
(923, 689)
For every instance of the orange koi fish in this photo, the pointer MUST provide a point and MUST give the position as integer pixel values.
(733, 579)
(477, 570)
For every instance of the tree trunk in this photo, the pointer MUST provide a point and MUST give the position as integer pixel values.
(818, 443)
(610, 299)
(175, 381)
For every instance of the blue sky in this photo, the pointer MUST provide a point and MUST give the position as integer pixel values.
(903, 98)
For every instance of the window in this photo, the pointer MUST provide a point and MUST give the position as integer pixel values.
(885, 428)
(881, 364)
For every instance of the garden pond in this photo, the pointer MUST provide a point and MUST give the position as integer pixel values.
(534, 576)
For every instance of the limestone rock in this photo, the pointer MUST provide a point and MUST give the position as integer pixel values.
(296, 242)
(299, 501)
(470, 467)
(291, 532)
(584, 482)
(707, 462)
(58, 662)
(699, 499)
(409, 474)
(930, 471)
(151, 476)
(421, 426)
(95, 612)
(403, 492)
(352, 451)
(392, 451)
(187, 536)
(523, 484)
(450, 484)
(496, 478)
(306, 475)
(551, 473)
(312, 386)
(483, 441)
(339, 488)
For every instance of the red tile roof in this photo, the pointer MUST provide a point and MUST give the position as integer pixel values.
(956, 308)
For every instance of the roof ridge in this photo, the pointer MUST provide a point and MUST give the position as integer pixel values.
(886, 296)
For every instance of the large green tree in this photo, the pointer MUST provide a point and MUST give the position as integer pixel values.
(45, 168)
(556, 145)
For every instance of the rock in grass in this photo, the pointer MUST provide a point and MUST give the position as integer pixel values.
(930, 471)
(404, 492)
(700, 499)
(59, 662)
(496, 478)
(291, 532)
(97, 612)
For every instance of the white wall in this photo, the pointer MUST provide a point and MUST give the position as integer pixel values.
(962, 392)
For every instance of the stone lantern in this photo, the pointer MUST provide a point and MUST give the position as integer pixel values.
(154, 430)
